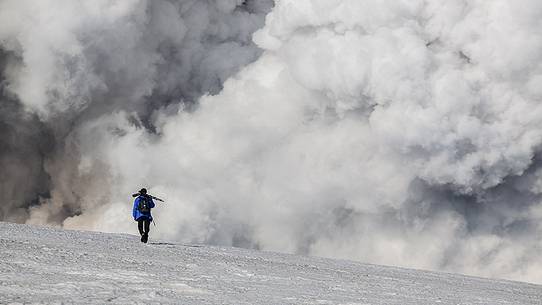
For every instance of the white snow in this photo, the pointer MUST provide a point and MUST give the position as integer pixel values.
(47, 265)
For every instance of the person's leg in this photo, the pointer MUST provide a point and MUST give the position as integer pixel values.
(147, 226)
(145, 235)
(140, 226)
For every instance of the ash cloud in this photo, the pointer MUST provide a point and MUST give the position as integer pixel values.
(401, 133)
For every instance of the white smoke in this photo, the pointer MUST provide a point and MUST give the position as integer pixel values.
(393, 132)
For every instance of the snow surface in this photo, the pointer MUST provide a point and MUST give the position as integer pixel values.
(47, 265)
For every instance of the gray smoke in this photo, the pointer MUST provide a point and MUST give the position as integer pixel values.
(24, 143)
(393, 132)
(67, 63)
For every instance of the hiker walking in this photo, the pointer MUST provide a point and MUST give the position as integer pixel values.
(142, 213)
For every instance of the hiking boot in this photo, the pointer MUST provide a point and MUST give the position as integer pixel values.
(144, 238)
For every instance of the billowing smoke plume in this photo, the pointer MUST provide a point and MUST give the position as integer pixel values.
(66, 64)
(396, 132)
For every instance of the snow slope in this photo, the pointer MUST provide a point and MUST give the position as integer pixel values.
(46, 265)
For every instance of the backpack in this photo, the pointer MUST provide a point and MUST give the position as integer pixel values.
(143, 205)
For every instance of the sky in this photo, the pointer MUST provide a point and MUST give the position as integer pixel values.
(404, 133)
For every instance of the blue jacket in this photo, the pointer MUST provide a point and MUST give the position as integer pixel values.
(137, 214)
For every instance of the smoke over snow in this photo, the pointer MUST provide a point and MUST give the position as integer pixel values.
(393, 132)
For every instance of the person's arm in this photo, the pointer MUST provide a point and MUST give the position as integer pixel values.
(151, 203)
(135, 207)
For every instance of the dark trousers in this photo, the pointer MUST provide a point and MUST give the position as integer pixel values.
(144, 224)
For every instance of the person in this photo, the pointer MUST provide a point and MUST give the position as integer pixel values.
(142, 213)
